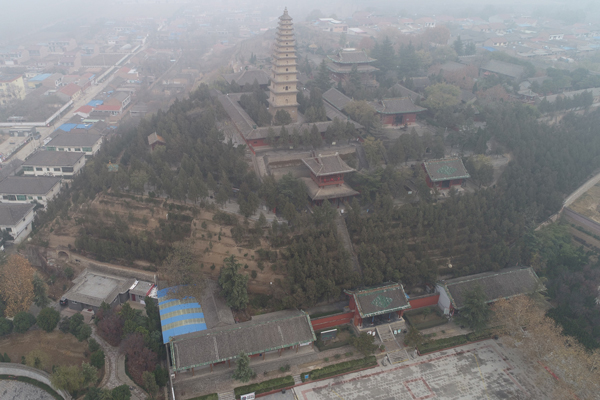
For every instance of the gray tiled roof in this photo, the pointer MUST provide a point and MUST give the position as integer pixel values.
(11, 214)
(445, 169)
(327, 165)
(328, 192)
(504, 68)
(74, 139)
(263, 333)
(400, 105)
(351, 57)
(421, 82)
(34, 185)
(496, 285)
(405, 92)
(380, 300)
(248, 77)
(336, 98)
(54, 158)
(452, 66)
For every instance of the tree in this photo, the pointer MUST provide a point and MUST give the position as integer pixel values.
(182, 270)
(414, 338)
(150, 384)
(93, 345)
(37, 359)
(6, 326)
(23, 321)
(282, 117)
(139, 357)
(89, 373)
(97, 359)
(243, 372)
(233, 284)
(16, 287)
(475, 311)
(84, 332)
(441, 95)
(459, 46)
(322, 80)
(75, 322)
(364, 343)
(39, 290)
(364, 114)
(69, 378)
(137, 181)
(121, 393)
(48, 319)
(161, 375)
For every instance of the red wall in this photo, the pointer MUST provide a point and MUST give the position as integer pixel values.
(424, 301)
(332, 320)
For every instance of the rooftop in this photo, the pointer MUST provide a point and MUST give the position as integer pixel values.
(11, 214)
(445, 169)
(265, 332)
(54, 158)
(93, 288)
(327, 165)
(248, 77)
(351, 56)
(504, 68)
(70, 89)
(496, 285)
(178, 317)
(336, 98)
(379, 300)
(75, 139)
(34, 185)
(315, 192)
(399, 105)
(155, 138)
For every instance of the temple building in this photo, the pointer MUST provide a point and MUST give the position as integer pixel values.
(343, 62)
(284, 76)
(326, 180)
(378, 305)
(400, 111)
(445, 173)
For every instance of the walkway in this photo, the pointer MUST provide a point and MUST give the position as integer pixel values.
(342, 229)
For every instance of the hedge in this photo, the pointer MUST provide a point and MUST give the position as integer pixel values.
(266, 386)
(33, 382)
(340, 368)
(426, 324)
(212, 396)
(445, 343)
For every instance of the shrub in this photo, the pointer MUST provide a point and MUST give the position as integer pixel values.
(266, 386)
(340, 368)
(23, 321)
(6, 326)
(161, 375)
(97, 359)
(6, 358)
(440, 344)
(253, 274)
(212, 396)
(64, 325)
(69, 273)
(93, 345)
(48, 319)
(74, 323)
(84, 332)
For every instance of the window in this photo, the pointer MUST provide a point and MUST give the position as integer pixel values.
(40, 198)
(57, 169)
(21, 197)
(61, 149)
(48, 169)
(67, 169)
(8, 229)
(39, 168)
(27, 168)
(51, 148)
(86, 149)
(29, 197)
(285, 69)
(69, 149)
(76, 149)
(10, 197)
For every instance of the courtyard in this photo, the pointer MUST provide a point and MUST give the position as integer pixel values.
(484, 370)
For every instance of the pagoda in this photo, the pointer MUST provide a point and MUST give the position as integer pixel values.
(284, 76)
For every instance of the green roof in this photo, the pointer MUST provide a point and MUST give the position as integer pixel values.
(379, 300)
(446, 169)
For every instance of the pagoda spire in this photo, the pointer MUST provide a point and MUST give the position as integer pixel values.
(284, 75)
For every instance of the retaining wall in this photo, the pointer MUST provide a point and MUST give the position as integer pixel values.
(423, 301)
(589, 224)
(332, 320)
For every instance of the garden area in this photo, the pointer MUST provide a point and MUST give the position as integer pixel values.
(344, 337)
(426, 317)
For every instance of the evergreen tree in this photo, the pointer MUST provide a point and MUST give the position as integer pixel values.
(475, 311)
(234, 285)
(322, 80)
(243, 372)
(459, 46)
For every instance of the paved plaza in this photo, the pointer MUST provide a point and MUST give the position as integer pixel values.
(476, 371)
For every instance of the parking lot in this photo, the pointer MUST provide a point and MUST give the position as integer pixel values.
(476, 371)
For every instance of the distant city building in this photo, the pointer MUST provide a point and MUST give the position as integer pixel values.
(87, 143)
(284, 76)
(12, 87)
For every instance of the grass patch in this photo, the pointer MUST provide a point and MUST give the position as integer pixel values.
(266, 386)
(324, 314)
(212, 396)
(344, 336)
(33, 382)
(440, 344)
(340, 368)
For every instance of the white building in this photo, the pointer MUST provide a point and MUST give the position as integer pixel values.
(18, 189)
(17, 220)
(87, 143)
(54, 163)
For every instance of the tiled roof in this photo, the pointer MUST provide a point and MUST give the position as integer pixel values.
(327, 165)
(315, 192)
(351, 57)
(380, 300)
(263, 333)
(504, 68)
(155, 138)
(336, 98)
(400, 105)
(34, 185)
(421, 82)
(405, 92)
(70, 89)
(105, 107)
(496, 285)
(445, 169)
(11, 214)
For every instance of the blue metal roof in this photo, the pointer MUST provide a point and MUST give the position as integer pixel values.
(178, 317)
(489, 48)
(39, 78)
(67, 127)
(95, 103)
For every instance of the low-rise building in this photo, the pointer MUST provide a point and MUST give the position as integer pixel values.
(397, 112)
(16, 219)
(19, 189)
(12, 87)
(91, 289)
(87, 143)
(445, 173)
(54, 163)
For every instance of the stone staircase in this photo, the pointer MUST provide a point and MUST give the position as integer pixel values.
(395, 352)
(227, 396)
(297, 379)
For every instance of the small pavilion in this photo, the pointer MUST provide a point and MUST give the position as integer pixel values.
(445, 173)
(326, 180)
(377, 305)
(346, 59)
